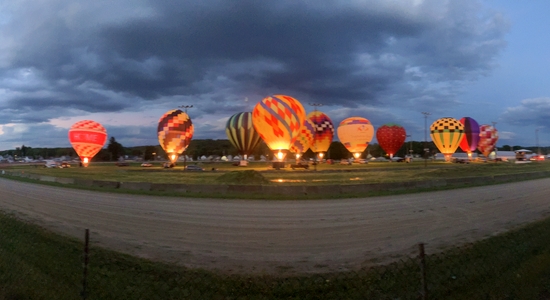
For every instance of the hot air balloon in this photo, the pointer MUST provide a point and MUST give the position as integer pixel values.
(470, 139)
(391, 137)
(488, 137)
(355, 134)
(446, 133)
(87, 138)
(174, 131)
(323, 132)
(241, 133)
(304, 140)
(278, 120)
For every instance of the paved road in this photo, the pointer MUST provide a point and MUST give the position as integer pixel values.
(276, 236)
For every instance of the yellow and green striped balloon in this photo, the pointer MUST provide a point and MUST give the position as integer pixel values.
(241, 133)
(446, 133)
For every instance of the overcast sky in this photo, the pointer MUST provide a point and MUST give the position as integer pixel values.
(125, 63)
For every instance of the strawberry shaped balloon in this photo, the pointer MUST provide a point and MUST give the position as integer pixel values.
(391, 137)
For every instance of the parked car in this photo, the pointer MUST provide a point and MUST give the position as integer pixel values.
(146, 164)
(168, 164)
(65, 165)
(193, 168)
(122, 164)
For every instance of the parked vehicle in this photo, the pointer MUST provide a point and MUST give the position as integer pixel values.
(146, 164)
(168, 164)
(193, 168)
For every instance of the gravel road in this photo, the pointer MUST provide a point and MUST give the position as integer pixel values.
(257, 236)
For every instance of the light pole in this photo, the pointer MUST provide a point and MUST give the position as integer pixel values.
(426, 114)
(537, 140)
(410, 145)
(495, 123)
(185, 107)
(315, 105)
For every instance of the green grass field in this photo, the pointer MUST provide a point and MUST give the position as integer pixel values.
(374, 172)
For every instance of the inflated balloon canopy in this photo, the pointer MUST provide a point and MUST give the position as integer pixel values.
(87, 137)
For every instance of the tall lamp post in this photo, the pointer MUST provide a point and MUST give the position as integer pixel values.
(410, 145)
(315, 105)
(537, 140)
(426, 114)
(185, 107)
(496, 149)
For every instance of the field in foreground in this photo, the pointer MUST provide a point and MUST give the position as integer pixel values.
(377, 172)
(37, 264)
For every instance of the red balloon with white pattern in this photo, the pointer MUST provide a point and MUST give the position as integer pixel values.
(488, 137)
(87, 137)
(391, 137)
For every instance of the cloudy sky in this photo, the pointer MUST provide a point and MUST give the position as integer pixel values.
(124, 63)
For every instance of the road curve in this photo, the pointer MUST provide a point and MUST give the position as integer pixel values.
(271, 236)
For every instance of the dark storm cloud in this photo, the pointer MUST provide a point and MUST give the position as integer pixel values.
(533, 113)
(119, 55)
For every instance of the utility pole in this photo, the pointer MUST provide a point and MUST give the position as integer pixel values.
(495, 123)
(426, 114)
(315, 105)
(184, 155)
(537, 140)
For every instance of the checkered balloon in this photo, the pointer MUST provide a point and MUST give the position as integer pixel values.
(304, 139)
(446, 133)
(87, 137)
(175, 131)
(488, 137)
(324, 131)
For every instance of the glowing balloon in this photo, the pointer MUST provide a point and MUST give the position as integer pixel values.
(241, 133)
(391, 137)
(355, 134)
(323, 131)
(305, 138)
(488, 137)
(175, 131)
(446, 133)
(278, 120)
(470, 139)
(87, 138)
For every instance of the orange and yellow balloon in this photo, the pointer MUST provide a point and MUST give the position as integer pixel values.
(175, 131)
(87, 137)
(446, 133)
(278, 120)
(304, 139)
(355, 134)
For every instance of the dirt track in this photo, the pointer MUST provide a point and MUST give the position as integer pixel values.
(277, 236)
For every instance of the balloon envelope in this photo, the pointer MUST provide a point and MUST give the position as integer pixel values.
(87, 137)
(174, 131)
(355, 134)
(391, 137)
(304, 139)
(488, 137)
(446, 133)
(278, 120)
(241, 133)
(323, 131)
(470, 139)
